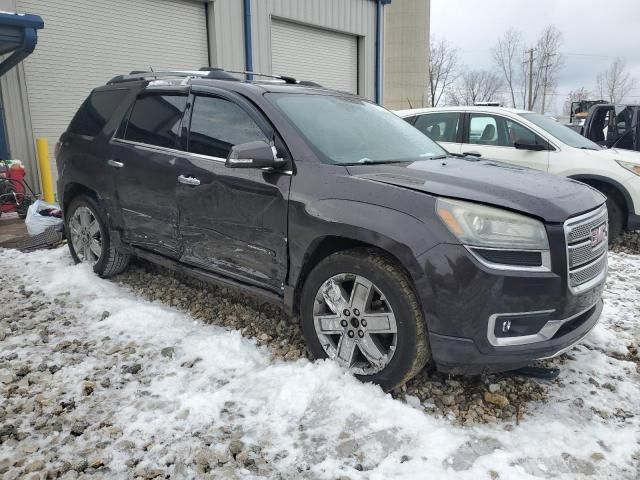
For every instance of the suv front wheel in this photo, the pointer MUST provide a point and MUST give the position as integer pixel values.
(359, 308)
(89, 239)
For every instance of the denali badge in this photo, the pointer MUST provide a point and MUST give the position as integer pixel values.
(598, 234)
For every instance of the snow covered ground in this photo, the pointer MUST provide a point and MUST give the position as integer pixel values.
(96, 381)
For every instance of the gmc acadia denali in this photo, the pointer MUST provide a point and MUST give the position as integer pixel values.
(390, 252)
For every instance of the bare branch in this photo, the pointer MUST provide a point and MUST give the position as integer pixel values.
(577, 95)
(506, 55)
(616, 82)
(443, 70)
(477, 86)
(547, 65)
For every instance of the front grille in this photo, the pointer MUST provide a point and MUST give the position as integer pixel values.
(587, 263)
(582, 253)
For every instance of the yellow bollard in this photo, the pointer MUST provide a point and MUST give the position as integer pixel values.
(42, 146)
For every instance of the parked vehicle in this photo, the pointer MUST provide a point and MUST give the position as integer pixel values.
(580, 111)
(536, 141)
(390, 252)
(613, 126)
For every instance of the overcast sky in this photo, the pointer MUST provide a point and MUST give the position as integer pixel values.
(593, 33)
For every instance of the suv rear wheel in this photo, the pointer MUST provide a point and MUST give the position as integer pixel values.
(359, 309)
(89, 238)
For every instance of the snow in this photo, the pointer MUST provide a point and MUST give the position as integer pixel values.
(314, 418)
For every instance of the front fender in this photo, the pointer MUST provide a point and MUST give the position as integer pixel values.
(400, 234)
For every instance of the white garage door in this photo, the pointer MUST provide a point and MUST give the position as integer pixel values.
(85, 43)
(308, 53)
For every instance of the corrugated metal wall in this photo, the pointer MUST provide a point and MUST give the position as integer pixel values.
(356, 17)
(327, 57)
(85, 43)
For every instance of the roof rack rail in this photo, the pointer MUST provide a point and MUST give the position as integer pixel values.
(284, 78)
(138, 75)
(204, 73)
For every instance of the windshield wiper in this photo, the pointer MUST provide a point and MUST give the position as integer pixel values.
(374, 162)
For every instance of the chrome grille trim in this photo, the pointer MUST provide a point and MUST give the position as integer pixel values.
(582, 253)
(586, 265)
(579, 228)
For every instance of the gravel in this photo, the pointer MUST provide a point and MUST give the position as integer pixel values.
(628, 242)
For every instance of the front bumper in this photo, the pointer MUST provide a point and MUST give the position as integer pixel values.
(462, 355)
(463, 299)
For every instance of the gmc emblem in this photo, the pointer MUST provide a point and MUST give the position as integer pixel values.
(599, 234)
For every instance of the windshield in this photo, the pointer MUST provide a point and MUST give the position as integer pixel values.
(561, 132)
(349, 130)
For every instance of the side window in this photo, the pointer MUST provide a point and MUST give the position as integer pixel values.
(439, 127)
(95, 112)
(155, 119)
(485, 130)
(519, 134)
(218, 124)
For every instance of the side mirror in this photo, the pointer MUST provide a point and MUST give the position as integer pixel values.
(536, 147)
(256, 154)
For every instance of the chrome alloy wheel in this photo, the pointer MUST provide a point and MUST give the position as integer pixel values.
(355, 323)
(84, 231)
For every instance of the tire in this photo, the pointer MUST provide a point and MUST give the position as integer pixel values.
(616, 212)
(109, 261)
(392, 293)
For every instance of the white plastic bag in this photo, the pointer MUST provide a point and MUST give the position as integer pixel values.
(36, 223)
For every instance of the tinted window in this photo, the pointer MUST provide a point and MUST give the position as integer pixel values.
(155, 119)
(96, 111)
(520, 134)
(440, 127)
(559, 131)
(218, 124)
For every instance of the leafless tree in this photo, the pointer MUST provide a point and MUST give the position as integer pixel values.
(512, 60)
(443, 69)
(507, 57)
(477, 86)
(616, 82)
(577, 95)
(547, 65)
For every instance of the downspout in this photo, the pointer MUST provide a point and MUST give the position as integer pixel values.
(379, 39)
(248, 51)
(207, 26)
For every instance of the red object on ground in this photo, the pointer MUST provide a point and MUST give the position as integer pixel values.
(17, 174)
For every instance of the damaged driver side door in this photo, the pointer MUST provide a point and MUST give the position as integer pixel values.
(231, 221)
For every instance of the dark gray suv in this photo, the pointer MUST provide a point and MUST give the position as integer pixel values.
(390, 252)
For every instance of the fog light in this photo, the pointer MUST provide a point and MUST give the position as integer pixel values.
(506, 326)
(520, 324)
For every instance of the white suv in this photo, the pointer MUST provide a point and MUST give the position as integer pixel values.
(537, 141)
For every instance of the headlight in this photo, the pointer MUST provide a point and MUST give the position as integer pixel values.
(632, 167)
(479, 225)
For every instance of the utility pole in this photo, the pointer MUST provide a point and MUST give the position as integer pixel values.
(546, 67)
(530, 103)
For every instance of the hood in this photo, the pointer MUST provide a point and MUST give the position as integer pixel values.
(617, 154)
(548, 197)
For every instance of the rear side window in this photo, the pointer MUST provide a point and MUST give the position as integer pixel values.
(95, 112)
(218, 124)
(439, 127)
(155, 119)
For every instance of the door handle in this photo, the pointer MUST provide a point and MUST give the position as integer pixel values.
(188, 180)
(115, 163)
(472, 154)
